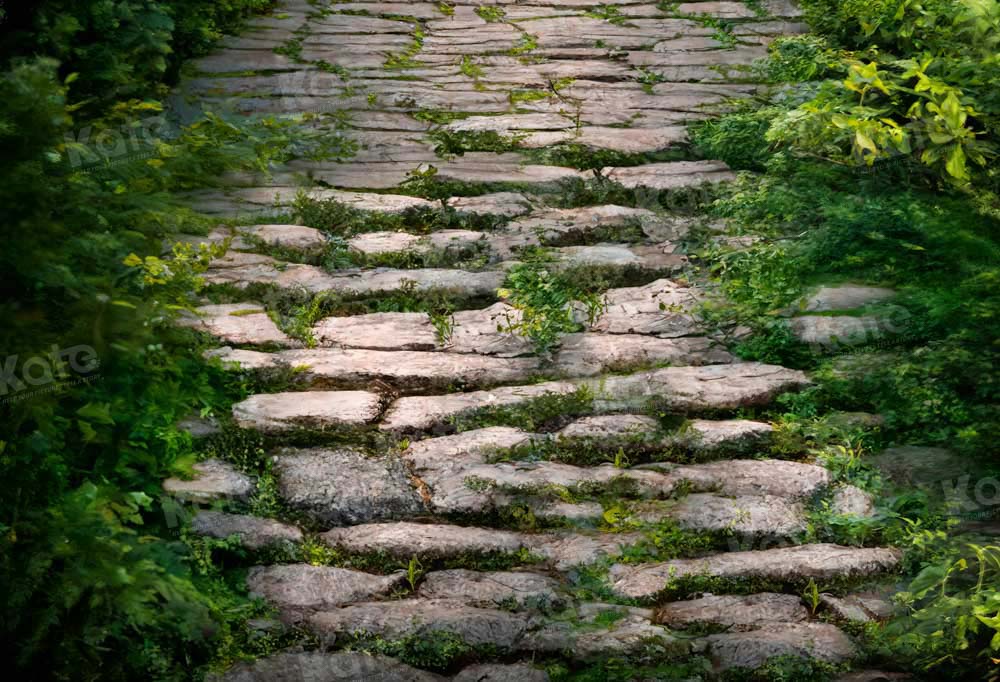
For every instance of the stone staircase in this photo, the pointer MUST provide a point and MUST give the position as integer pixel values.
(607, 502)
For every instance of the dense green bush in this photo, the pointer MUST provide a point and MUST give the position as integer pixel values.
(875, 154)
(96, 583)
(120, 49)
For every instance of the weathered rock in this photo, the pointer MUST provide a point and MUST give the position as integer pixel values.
(278, 412)
(298, 588)
(344, 486)
(355, 367)
(673, 175)
(495, 672)
(752, 649)
(389, 331)
(433, 541)
(589, 354)
(419, 413)
(567, 550)
(239, 323)
(297, 237)
(708, 437)
(736, 612)
(852, 500)
(627, 636)
(662, 308)
(860, 608)
(756, 477)
(785, 564)
(748, 516)
(688, 389)
(495, 589)
(420, 617)
(463, 449)
(213, 480)
(611, 426)
(254, 532)
(500, 204)
(338, 667)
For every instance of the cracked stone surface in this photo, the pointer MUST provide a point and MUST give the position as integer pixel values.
(345, 486)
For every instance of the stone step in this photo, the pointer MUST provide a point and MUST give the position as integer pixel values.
(243, 269)
(675, 389)
(580, 355)
(561, 550)
(673, 175)
(734, 612)
(494, 589)
(507, 631)
(345, 486)
(317, 410)
(254, 532)
(752, 649)
(789, 565)
(299, 589)
(661, 308)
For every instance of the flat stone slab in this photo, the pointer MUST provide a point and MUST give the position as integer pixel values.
(379, 331)
(653, 257)
(350, 367)
(434, 540)
(590, 354)
(296, 588)
(662, 308)
(785, 564)
(610, 426)
(707, 437)
(243, 269)
(279, 412)
(345, 486)
(671, 175)
(297, 237)
(462, 449)
(213, 480)
(794, 480)
(451, 492)
(418, 413)
(337, 667)
(237, 323)
(253, 532)
(564, 224)
(691, 389)
(858, 608)
(493, 589)
(506, 204)
(420, 617)
(738, 612)
(752, 649)
(630, 635)
(746, 516)
(496, 672)
(375, 243)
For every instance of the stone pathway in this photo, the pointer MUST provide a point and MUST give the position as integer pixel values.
(392, 443)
